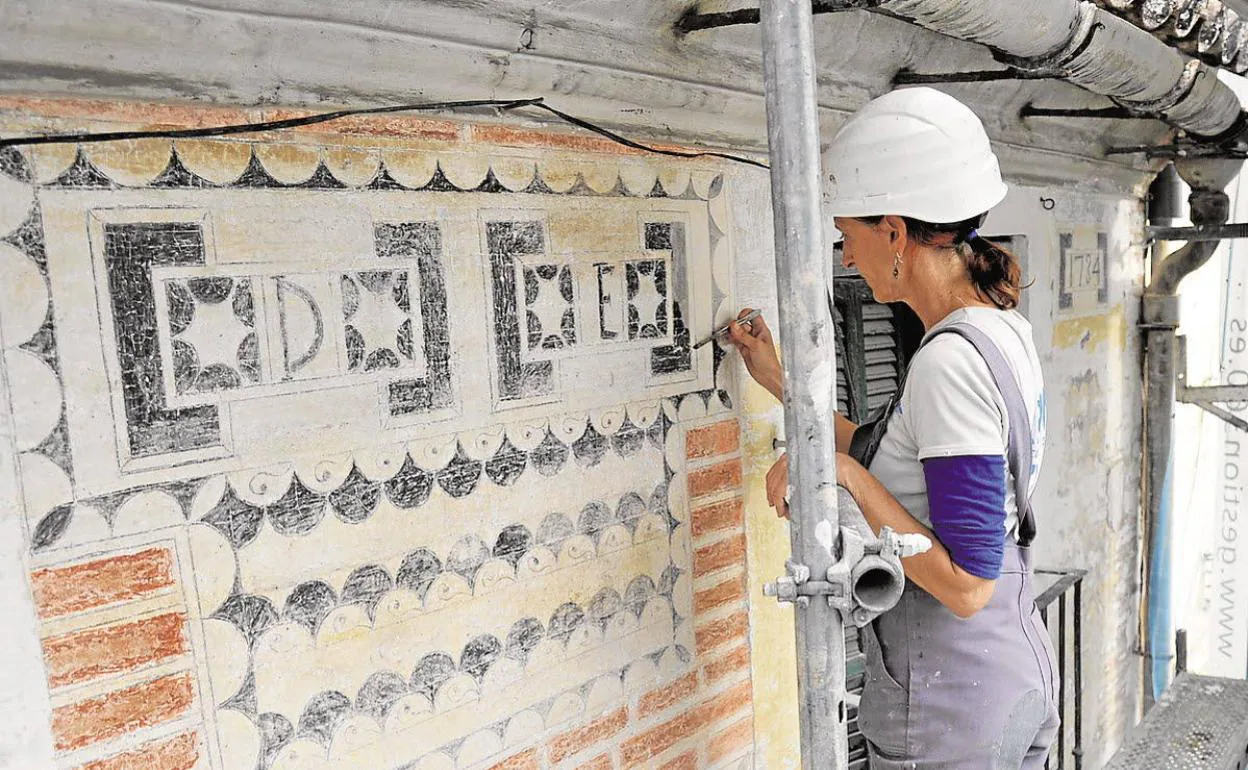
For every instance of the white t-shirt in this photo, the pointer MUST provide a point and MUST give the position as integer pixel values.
(950, 406)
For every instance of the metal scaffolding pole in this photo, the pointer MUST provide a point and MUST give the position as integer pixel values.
(809, 370)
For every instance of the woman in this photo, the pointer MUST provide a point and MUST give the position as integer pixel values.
(961, 674)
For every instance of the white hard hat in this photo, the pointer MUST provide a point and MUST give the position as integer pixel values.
(918, 153)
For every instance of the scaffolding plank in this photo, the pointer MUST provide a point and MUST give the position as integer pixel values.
(1200, 722)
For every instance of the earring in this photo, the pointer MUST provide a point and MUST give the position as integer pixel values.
(897, 265)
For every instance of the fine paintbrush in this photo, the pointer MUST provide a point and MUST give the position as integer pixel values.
(745, 319)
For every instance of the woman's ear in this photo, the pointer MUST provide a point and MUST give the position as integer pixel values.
(895, 228)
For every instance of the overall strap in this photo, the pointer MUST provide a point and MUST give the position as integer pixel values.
(1020, 449)
(866, 440)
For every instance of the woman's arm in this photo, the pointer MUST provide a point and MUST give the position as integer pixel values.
(758, 351)
(934, 571)
(844, 432)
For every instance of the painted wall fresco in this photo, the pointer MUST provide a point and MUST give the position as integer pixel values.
(352, 452)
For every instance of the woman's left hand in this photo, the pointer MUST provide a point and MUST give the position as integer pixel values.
(778, 486)
(847, 469)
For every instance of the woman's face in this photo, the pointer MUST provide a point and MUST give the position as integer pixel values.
(873, 250)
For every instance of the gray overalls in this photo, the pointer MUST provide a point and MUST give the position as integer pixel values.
(942, 692)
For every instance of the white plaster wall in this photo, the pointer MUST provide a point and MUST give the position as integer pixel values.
(26, 740)
(1207, 591)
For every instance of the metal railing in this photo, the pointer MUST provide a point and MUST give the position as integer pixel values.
(1066, 583)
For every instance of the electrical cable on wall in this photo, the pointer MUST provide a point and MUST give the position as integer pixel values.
(288, 123)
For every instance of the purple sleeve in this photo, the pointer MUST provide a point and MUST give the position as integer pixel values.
(966, 502)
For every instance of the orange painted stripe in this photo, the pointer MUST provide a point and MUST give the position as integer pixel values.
(510, 136)
(145, 113)
(77, 587)
(180, 753)
(123, 711)
(376, 125)
(85, 655)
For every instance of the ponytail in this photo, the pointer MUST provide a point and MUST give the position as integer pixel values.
(993, 270)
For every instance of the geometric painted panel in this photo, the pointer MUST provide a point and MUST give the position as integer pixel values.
(647, 298)
(212, 322)
(421, 242)
(507, 242)
(549, 306)
(309, 349)
(130, 252)
(558, 297)
(243, 332)
(324, 327)
(379, 325)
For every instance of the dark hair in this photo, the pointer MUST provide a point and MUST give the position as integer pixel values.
(993, 270)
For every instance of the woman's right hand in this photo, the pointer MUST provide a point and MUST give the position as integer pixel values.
(758, 351)
(778, 486)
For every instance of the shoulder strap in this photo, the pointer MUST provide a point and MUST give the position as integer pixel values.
(866, 439)
(1020, 450)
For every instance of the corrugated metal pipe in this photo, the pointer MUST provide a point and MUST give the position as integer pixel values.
(1205, 29)
(1093, 48)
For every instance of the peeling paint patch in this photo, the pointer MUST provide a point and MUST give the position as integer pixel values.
(1090, 333)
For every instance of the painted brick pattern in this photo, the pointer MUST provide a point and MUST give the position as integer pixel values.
(730, 741)
(84, 655)
(641, 749)
(179, 753)
(720, 632)
(575, 741)
(117, 713)
(107, 655)
(510, 136)
(74, 588)
(708, 725)
(722, 438)
(663, 698)
(718, 555)
(719, 477)
(727, 515)
(600, 762)
(150, 113)
(736, 660)
(730, 591)
(405, 126)
(525, 760)
(686, 761)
